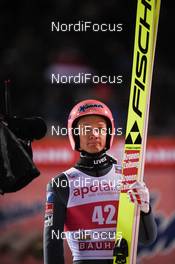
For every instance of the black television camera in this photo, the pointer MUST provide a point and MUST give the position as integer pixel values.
(17, 168)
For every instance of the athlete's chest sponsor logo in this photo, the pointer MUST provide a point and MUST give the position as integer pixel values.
(98, 245)
(96, 187)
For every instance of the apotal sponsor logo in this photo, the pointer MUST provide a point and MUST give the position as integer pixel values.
(101, 187)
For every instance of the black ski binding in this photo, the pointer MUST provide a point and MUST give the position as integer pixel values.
(121, 251)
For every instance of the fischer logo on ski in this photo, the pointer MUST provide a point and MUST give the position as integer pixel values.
(137, 124)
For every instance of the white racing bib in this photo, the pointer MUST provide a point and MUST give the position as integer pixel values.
(91, 214)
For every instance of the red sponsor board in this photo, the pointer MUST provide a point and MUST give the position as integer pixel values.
(160, 152)
(56, 150)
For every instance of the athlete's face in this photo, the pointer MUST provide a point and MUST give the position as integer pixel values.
(92, 133)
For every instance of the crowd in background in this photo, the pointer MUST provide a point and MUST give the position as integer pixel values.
(30, 51)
